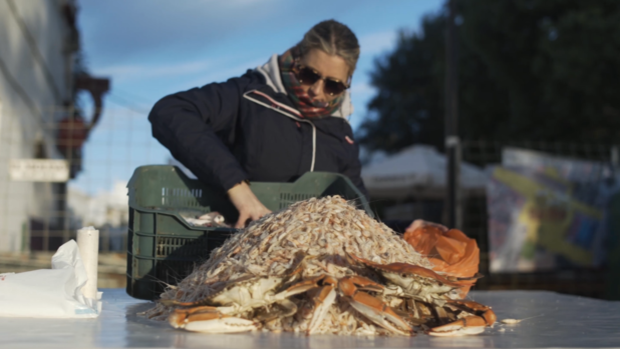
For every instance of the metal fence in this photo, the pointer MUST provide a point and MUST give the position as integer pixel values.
(40, 216)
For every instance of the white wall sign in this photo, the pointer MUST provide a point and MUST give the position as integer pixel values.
(39, 170)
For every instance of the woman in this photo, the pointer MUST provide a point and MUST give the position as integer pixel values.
(272, 124)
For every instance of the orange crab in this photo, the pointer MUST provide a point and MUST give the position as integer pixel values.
(424, 285)
(412, 296)
(227, 310)
(473, 319)
(354, 290)
(449, 250)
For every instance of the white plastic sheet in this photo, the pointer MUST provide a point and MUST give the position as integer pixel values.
(50, 293)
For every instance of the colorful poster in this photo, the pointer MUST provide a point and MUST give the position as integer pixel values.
(546, 212)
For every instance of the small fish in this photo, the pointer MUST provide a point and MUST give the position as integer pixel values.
(214, 217)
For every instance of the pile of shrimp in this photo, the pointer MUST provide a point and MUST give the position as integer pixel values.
(322, 229)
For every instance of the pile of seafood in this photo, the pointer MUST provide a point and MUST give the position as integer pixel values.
(320, 266)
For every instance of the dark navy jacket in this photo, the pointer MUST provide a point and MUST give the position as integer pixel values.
(243, 129)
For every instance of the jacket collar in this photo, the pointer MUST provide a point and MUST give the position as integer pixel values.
(271, 72)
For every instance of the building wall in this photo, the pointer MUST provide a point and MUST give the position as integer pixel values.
(36, 44)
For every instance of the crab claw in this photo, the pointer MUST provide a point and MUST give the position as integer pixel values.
(482, 317)
(466, 326)
(206, 319)
(476, 308)
(179, 317)
(371, 307)
(222, 325)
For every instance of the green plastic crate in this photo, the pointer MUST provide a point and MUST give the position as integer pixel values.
(163, 248)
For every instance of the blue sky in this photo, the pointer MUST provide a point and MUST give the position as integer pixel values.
(151, 48)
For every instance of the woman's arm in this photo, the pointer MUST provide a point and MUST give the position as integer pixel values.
(186, 123)
(194, 125)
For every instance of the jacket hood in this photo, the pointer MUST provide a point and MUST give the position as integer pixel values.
(271, 72)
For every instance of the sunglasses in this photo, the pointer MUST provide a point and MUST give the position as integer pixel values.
(309, 76)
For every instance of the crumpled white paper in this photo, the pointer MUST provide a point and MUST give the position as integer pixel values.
(50, 293)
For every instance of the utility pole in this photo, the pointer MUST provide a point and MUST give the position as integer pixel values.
(452, 140)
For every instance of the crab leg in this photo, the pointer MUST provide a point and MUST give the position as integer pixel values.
(287, 308)
(300, 287)
(465, 281)
(322, 301)
(404, 268)
(410, 313)
(373, 308)
(416, 312)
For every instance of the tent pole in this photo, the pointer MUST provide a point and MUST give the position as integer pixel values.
(452, 141)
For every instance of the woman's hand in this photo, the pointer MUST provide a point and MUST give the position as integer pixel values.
(247, 204)
(420, 223)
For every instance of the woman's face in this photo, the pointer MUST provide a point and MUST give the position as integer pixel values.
(328, 66)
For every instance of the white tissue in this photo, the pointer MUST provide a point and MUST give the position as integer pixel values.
(50, 293)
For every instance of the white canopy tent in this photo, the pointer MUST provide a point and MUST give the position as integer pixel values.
(418, 171)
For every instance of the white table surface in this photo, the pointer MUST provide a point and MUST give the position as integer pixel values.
(568, 322)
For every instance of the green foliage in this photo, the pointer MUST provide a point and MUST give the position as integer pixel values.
(409, 91)
(544, 70)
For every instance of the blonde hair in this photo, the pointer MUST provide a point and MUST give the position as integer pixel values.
(334, 38)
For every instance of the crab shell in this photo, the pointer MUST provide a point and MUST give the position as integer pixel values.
(426, 285)
(414, 280)
(224, 311)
